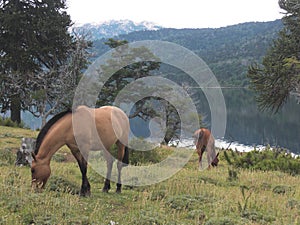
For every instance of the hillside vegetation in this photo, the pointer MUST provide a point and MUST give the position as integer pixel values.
(223, 195)
(228, 51)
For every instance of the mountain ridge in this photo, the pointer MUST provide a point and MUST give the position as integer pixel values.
(228, 51)
(107, 29)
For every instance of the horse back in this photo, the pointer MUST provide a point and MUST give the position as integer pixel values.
(100, 128)
(112, 121)
(204, 137)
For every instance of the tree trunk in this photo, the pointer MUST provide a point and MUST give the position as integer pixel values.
(15, 109)
(44, 120)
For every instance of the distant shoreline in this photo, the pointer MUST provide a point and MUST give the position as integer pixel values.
(223, 144)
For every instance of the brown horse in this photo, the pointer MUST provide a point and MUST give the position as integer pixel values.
(75, 129)
(205, 141)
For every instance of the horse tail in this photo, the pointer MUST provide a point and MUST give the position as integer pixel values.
(125, 159)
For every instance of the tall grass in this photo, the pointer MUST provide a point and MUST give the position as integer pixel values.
(189, 197)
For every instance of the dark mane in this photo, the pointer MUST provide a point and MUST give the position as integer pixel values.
(46, 128)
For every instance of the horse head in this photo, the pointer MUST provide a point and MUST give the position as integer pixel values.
(40, 172)
(215, 161)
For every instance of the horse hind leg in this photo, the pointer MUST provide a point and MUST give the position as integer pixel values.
(199, 159)
(122, 161)
(119, 184)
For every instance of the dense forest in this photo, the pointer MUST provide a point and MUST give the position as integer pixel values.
(228, 51)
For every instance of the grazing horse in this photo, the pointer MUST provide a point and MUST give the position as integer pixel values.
(204, 141)
(75, 129)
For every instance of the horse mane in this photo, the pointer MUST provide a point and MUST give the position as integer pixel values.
(47, 127)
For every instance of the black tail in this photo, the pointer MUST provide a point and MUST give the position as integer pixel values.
(126, 156)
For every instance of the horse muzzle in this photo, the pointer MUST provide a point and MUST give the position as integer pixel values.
(37, 185)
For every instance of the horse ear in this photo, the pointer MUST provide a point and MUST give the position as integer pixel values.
(218, 154)
(33, 156)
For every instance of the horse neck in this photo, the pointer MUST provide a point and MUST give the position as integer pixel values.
(55, 138)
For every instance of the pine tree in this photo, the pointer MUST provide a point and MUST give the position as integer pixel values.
(127, 74)
(279, 75)
(146, 108)
(34, 37)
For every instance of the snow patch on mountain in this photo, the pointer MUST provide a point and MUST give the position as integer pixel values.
(112, 28)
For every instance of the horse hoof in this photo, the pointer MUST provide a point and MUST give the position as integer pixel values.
(85, 194)
(118, 191)
(105, 190)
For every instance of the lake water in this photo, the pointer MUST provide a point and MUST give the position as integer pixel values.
(246, 125)
(249, 126)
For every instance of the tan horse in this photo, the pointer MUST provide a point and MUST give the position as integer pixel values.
(205, 141)
(74, 129)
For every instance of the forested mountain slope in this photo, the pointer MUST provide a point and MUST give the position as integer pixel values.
(228, 51)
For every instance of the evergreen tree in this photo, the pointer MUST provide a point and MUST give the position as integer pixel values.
(34, 37)
(127, 74)
(279, 74)
(153, 105)
(54, 88)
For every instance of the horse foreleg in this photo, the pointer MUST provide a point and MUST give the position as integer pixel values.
(85, 186)
(209, 160)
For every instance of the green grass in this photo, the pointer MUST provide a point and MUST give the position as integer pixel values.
(189, 197)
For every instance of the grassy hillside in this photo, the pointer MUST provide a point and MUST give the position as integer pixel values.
(222, 195)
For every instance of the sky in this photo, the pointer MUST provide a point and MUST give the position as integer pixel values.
(175, 13)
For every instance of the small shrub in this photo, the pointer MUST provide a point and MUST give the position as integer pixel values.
(13, 178)
(141, 152)
(232, 175)
(44, 219)
(266, 160)
(60, 184)
(144, 153)
(150, 217)
(258, 217)
(196, 214)
(221, 221)
(58, 157)
(265, 186)
(252, 215)
(9, 123)
(7, 157)
(281, 189)
(158, 195)
(14, 205)
(27, 218)
(293, 203)
(187, 202)
(179, 202)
